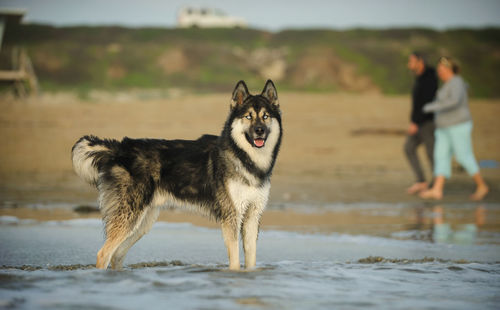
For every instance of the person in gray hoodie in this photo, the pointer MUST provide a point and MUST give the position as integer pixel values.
(453, 134)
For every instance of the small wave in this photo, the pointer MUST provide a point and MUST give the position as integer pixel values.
(380, 259)
(346, 238)
(9, 220)
(76, 223)
(52, 268)
(92, 266)
(218, 267)
(13, 220)
(156, 264)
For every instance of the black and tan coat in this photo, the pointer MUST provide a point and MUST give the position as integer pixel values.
(225, 177)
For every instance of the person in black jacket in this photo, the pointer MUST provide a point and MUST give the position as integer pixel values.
(421, 129)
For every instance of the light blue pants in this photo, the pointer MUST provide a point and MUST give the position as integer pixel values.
(454, 140)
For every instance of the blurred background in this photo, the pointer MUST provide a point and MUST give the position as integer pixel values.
(315, 46)
(338, 207)
(165, 69)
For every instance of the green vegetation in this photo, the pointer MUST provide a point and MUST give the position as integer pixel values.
(115, 58)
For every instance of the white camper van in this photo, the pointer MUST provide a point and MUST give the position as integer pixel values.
(207, 18)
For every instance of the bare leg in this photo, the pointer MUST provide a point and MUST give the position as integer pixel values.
(250, 231)
(481, 188)
(231, 232)
(436, 192)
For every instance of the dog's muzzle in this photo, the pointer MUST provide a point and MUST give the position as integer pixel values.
(259, 136)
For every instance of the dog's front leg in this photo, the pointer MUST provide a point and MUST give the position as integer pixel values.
(250, 231)
(231, 232)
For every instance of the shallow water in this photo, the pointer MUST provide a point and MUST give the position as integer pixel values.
(286, 284)
(48, 265)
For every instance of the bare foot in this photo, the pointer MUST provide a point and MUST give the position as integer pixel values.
(417, 188)
(480, 192)
(432, 194)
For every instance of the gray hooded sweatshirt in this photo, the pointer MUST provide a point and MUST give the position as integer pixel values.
(451, 104)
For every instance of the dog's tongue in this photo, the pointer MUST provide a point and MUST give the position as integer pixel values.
(259, 142)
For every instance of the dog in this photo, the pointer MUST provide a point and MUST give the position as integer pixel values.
(225, 177)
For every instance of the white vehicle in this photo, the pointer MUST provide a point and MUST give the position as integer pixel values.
(207, 18)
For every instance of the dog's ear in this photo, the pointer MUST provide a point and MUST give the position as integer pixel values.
(240, 93)
(269, 92)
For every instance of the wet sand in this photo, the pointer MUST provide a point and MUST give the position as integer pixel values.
(373, 219)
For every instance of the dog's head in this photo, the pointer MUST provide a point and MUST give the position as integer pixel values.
(256, 118)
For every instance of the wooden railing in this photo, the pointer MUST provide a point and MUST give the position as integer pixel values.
(22, 75)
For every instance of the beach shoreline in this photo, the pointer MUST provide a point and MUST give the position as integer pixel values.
(338, 148)
(375, 219)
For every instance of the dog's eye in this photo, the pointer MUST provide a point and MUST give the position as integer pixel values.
(265, 116)
(248, 116)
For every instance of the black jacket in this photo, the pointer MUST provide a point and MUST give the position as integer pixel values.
(424, 91)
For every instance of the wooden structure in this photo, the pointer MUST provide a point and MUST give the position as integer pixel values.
(21, 72)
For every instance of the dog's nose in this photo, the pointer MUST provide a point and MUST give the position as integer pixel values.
(259, 130)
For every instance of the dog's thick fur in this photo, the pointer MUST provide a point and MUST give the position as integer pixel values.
(226, 177)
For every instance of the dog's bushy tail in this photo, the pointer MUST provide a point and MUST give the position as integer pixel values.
(89, 154)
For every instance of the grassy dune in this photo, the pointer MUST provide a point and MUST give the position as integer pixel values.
(358, 60)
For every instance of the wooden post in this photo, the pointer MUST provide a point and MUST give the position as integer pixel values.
(23, 73)
(3, 22)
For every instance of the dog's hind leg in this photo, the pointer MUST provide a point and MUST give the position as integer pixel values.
(114, 237)
(120, 220)
(231, 234)
(250, 231)
(143, 225)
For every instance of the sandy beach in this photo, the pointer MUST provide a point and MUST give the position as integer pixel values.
(337, 147)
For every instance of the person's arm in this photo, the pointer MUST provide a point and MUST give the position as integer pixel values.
(416, 116)
(449, 102)
(427, 94)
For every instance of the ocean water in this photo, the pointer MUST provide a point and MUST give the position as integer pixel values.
(49, 265)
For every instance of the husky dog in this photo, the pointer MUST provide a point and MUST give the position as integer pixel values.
(226, 177)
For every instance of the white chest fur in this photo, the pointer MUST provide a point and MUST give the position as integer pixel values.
(244, 195)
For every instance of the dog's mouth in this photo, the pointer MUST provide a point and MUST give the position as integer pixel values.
(259, 142)
(256, 141)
